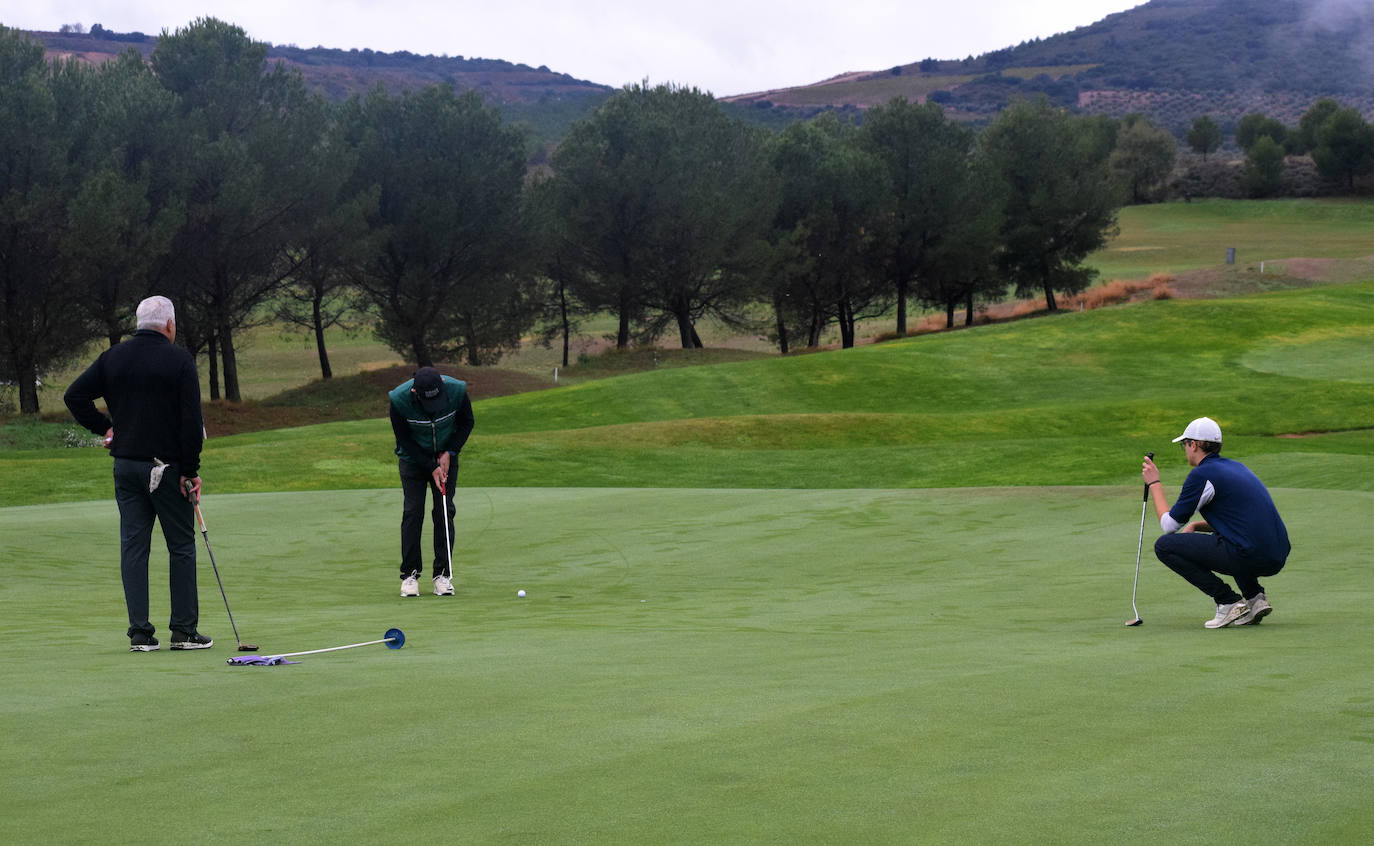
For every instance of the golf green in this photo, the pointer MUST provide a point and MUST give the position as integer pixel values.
(691, 666)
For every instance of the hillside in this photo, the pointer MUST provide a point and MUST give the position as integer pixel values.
(1170, 59)
(337, 74)
(544, 101)
(1057, 401)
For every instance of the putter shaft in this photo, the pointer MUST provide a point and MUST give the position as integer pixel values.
(1139, 546)
(200, 518)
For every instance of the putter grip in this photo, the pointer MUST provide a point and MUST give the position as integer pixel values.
(1151, 456)
(190, 492)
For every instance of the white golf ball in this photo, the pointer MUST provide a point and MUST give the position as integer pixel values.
(520, 593)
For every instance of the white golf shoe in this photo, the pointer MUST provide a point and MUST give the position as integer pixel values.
(1227, 614)
(443, 586)
(1259, 608)
(410, 586)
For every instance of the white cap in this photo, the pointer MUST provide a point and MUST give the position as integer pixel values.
(1201, 429)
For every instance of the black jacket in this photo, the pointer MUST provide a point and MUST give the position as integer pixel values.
(153, 393)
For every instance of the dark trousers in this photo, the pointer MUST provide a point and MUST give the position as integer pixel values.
(1199, 556)
(415, 482)
(137, 510)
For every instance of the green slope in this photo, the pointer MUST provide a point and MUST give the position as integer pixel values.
(1070, 399)
(1178, 237)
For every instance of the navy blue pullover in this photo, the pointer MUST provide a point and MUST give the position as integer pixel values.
(1235, 503)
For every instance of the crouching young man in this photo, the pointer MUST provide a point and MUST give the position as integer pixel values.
(1240, 534)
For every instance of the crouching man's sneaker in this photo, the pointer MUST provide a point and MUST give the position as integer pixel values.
(410, 586)
(443, 586)
(142, 643)
(1227, 614)
(1259, 609)
(194, 640)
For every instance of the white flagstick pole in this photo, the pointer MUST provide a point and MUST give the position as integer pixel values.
(332, 648)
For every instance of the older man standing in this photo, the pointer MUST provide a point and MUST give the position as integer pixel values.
(154, 432)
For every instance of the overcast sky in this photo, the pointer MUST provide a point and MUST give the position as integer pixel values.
(723, 46)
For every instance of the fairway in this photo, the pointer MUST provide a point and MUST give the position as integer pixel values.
(1177, 237)
(870, 596)
(692, 666)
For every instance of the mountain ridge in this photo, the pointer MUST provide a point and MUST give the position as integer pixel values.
(1171, 60)
(337, 73)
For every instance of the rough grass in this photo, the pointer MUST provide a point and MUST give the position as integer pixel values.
(1116, 292)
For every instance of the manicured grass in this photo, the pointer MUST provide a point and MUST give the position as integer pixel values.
(1176, 237)
(1330, 354)
(1067, 400)
(871, 596)
(691, 666)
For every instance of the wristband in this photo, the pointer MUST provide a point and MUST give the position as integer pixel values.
(1155, 482)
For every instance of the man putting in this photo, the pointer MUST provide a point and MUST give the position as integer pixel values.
(431, 416)
(1241, 534)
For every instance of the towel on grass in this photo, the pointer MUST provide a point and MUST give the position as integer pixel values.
(258, 661)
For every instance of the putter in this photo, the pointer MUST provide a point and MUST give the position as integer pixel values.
(448, 548)
(1140, 544)
(394, 639)
(195, 502)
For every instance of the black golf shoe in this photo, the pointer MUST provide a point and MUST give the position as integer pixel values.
(142, 643)
(194, 640)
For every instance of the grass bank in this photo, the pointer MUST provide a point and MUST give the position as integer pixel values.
(1067, 400)
(1178, 237)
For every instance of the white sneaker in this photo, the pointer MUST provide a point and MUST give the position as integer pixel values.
(443, 586)
(1227, 614)
(1259, 609)
(410, 586)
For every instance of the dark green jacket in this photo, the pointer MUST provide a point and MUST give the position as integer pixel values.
(421, 438)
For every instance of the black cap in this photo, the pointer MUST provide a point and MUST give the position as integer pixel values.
(429, 388)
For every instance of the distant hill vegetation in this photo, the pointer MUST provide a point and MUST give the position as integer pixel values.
(339, 73)
(1171, 60)
(543, 99)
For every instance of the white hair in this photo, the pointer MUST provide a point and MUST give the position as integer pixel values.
(154, 312)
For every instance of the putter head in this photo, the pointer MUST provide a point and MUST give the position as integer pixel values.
(248, 647)
(1136, 622)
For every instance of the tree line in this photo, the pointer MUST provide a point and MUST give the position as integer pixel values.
(204, 174)
(1338, 139)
